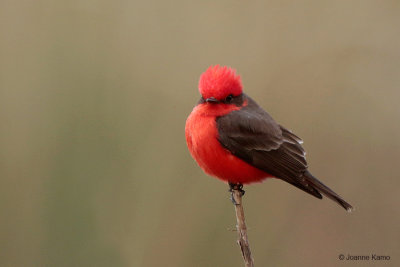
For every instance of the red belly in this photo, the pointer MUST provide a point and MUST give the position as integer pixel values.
(203, 144)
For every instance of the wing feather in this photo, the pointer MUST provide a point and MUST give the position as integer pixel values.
(252, 134)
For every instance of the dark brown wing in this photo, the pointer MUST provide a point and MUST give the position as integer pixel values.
(252, 135)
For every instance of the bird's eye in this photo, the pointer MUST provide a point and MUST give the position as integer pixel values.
(229, 98)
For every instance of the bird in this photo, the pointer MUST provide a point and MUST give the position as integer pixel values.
(233, 139)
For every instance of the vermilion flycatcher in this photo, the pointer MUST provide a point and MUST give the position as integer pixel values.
(235, 140)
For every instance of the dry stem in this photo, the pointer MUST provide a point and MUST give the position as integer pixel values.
(243, 240)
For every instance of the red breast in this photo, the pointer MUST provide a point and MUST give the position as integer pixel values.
(202, 139)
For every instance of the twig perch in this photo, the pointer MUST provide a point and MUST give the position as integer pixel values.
(243, 241)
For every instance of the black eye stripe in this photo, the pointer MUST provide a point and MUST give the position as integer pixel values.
(236, 100)
(229, 98)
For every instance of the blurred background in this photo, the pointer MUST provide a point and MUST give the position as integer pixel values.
(94, 169)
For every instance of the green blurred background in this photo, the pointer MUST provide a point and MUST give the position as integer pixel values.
(94, 95)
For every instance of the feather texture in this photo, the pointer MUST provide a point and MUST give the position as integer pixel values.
(252, 135)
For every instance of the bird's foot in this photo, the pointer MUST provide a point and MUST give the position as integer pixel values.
(238, 187)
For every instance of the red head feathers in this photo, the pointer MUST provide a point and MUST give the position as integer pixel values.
(219, 82)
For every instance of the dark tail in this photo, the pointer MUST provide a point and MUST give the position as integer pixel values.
(326, 191)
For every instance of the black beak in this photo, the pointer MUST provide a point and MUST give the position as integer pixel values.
(212, 100)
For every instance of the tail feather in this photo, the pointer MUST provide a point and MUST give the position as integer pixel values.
(326, 191)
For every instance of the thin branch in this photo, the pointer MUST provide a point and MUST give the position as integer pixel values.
(243, 240)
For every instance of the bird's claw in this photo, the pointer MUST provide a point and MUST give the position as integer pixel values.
(238, 187)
